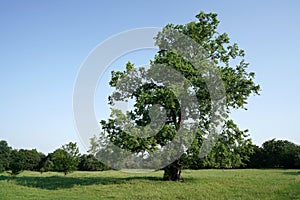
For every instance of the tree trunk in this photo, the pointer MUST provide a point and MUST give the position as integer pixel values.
(173, 172)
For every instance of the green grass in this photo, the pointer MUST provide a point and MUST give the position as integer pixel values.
(201, 184)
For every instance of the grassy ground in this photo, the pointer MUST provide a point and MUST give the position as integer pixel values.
(201, 184)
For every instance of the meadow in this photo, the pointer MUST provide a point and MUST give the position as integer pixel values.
(198, 184)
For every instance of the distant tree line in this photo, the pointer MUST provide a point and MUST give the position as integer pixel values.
(276, 154)
(272, 154)
(65, 159)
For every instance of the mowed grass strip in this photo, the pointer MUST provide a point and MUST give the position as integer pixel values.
(198, 184)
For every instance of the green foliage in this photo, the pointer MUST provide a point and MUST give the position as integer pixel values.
(90, 163)
(16, 162)
(66, 158)
(32, 158)
(4, 155)
(46, 164)
(276, 154)
(297, 159)
(233, 150)
(234, 146)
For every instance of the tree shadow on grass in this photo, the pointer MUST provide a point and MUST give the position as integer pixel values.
(60, 182)
(296, 173)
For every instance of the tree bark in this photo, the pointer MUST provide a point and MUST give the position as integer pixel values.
(173, 172)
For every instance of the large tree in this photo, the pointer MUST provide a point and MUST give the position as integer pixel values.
(194, 63)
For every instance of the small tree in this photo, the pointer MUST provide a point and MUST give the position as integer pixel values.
(66, 158)
(90, 163)
(46, 163)
(32, 158)
(16, 162)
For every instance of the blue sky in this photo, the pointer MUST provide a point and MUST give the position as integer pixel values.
(44, 43)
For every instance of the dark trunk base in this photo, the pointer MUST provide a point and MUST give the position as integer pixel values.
(173, 172)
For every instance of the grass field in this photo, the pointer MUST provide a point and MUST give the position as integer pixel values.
(201, 184)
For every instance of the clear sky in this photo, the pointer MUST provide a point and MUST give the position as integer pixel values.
(44, 43)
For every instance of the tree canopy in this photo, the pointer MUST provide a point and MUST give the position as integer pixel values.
(66, 158)
(5, 151)
(193, 60)
(276, 154)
